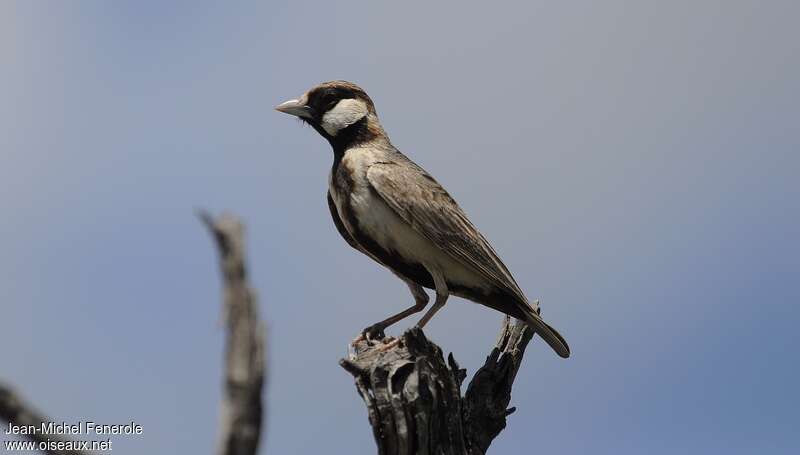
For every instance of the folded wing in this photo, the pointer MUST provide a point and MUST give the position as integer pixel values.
(422, 202)
(429, 209)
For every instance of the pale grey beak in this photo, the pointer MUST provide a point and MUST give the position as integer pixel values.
(294, 107)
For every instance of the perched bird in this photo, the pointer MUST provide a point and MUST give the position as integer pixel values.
(392, 210)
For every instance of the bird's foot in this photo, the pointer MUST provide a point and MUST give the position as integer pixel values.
(371, 334)
(374, 332)
(388, 343)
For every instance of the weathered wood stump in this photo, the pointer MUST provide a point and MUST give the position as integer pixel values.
(414, 398)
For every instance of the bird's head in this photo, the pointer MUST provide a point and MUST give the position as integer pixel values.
(339, 110)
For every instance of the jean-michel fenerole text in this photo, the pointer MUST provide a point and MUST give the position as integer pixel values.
(77, 428)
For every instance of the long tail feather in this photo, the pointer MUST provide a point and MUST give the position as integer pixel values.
(548, 334)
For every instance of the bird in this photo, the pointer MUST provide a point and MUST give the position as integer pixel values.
(389, 208)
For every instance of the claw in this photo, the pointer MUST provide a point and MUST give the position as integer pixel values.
(388, 345)
(373, 333)
(358, 339)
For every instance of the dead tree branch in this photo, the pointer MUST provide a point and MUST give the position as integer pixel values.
(19, 413)
(242, 409)
(414, 401)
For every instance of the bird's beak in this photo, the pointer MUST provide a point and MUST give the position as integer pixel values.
(295, 107)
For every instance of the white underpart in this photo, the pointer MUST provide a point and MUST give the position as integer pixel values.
(388, 229)
(345, 113)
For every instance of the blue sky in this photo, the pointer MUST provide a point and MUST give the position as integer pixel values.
(634, 163)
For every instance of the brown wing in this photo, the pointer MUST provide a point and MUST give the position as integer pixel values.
(422, 202)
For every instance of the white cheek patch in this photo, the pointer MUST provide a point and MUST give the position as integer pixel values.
(345, 113)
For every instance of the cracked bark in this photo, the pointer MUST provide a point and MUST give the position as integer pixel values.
(413, 397)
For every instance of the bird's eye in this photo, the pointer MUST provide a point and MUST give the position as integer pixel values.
(328, 101)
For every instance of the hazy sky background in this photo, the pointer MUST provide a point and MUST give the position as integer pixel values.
(635, 163)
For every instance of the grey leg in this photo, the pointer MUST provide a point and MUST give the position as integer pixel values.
(441, 297)
(420, 297)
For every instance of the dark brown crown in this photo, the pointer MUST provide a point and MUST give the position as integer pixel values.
(324, 97)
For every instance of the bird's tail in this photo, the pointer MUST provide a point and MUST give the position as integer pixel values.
(548, 334)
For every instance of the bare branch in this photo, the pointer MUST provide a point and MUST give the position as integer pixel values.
(242, 409)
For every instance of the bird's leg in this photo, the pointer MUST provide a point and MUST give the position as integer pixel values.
(375, 331)
(441, 297)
